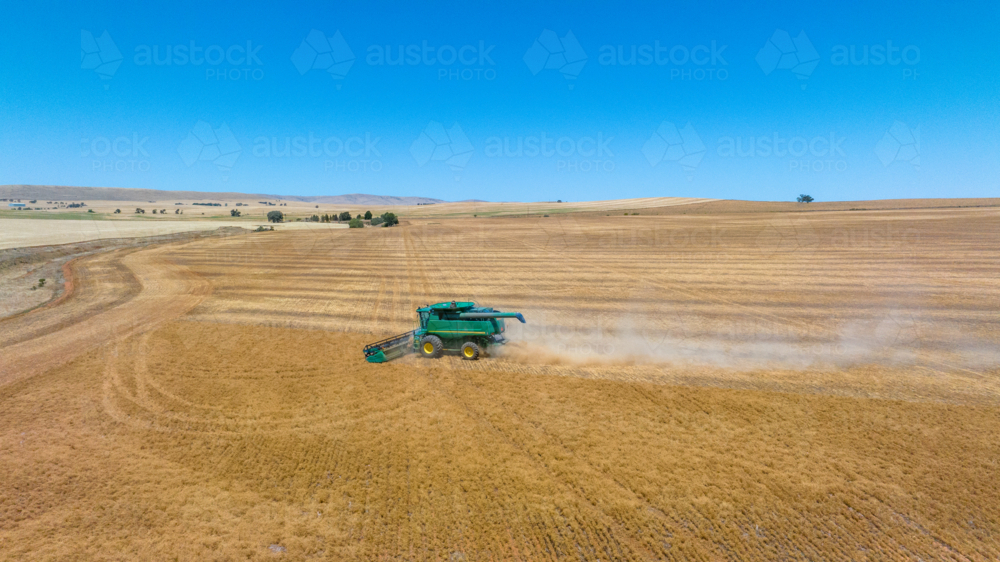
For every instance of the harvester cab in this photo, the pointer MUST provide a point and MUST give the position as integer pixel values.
(454, 326)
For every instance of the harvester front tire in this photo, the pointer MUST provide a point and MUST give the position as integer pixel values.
(430, 347)
(470, 351)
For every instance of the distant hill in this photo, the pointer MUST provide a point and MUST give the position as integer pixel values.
(68, 193)
(358, 199)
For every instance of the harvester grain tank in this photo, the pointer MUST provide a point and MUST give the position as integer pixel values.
(454, 326)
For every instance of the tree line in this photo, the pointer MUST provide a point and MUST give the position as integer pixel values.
(386, 219)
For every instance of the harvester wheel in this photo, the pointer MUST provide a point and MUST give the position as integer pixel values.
(470, 351)
(430, 346)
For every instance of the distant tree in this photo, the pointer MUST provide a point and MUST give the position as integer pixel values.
(314, 218)
(118, 211)
(805, 199)
(368, 215)
(345, 216)
(90, 210)
(558, 200)
(140, 211)
(356, 223)
(163, 211)
(390, 219)
(33, 201)
(359, 216)
(234, 213)
(377, 221)
(275, 216)
(41, 282)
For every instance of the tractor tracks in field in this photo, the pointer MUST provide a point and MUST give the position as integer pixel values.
(133, 395)
(620, 535)
(100, 282)
(134, 291)
(415, 265)
(674, 285)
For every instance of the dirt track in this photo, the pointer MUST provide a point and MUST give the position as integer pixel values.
(760, 387)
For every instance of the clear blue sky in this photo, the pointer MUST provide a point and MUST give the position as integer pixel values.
(720, 101)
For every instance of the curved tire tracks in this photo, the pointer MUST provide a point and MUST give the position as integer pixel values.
(139, 290)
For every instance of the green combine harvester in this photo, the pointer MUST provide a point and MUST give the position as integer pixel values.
(446, 326)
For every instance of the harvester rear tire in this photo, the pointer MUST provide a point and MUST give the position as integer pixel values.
(470, 351)
(431, 346)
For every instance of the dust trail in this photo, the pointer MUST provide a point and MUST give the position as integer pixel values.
(896, 338)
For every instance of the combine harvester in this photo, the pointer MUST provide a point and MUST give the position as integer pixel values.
(446, 326)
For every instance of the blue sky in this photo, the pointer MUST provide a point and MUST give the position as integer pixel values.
(747, 102)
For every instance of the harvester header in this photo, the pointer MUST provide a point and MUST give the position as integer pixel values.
(456, 326)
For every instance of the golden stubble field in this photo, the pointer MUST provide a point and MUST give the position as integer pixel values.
(725, 386)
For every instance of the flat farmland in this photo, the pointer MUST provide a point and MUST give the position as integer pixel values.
(25, 232)
(727, 386)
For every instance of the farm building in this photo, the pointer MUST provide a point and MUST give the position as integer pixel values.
(16, 205)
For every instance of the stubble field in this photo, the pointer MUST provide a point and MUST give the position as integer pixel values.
(702, 386)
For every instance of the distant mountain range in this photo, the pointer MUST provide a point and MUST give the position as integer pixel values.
(357, 199)
(68, 193)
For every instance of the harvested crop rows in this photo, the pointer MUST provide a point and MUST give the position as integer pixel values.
(737, 386)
